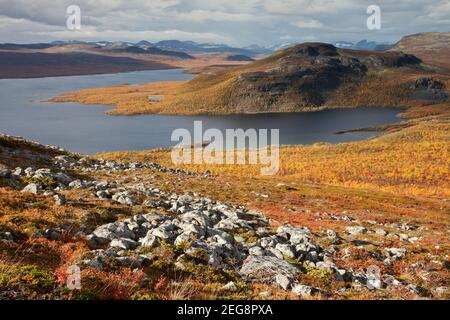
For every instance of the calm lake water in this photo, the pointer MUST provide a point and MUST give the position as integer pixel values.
(87, 129)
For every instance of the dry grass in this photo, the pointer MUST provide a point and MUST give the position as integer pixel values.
(413, 161)
(39, 265)
(127, 99)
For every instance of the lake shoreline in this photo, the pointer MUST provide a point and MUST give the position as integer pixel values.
(86, 128)
(133, 100)
(89, 73)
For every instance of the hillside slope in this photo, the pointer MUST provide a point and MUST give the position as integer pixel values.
(305, 77)
(431, 47)
(138, 230)
(38, 64)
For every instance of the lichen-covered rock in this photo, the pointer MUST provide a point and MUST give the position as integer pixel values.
(31, 188)
(354, 230)
(265, 269)
(303, 291)
(123, 243)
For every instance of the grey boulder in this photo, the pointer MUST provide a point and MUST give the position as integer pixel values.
(123, 243)
(266, 268)
(31, 188)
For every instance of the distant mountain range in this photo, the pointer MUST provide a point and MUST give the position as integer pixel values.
(48, 59)
(186, 49)
(174, 45)
(193, 47)
(364, 45)
(142, 49)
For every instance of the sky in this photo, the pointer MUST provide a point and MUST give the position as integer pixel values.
(233, 22)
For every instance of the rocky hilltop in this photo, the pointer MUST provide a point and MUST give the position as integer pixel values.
(308, 75)
(304, 77)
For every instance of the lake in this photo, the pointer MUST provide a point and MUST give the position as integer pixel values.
(86, 129)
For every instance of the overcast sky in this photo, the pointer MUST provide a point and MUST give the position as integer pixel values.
(234, 22)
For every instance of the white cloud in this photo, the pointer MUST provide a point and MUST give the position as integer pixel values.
(286, 37)
(308, 24)
(206, 15)
(238, 22)
(439, 11)
(303, 7)
(91, 33)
